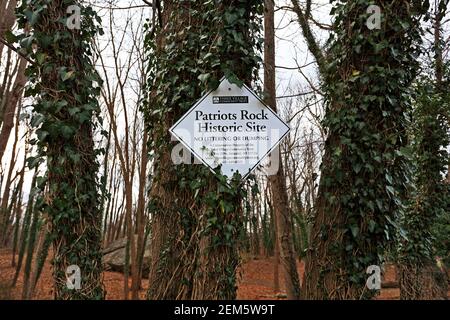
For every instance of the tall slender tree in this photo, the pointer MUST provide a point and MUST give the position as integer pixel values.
(278, 181)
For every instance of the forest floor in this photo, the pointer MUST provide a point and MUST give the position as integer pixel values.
(256, 281)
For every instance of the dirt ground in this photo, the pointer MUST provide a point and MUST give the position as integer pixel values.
(256, 281)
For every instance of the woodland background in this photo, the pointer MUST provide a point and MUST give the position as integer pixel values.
(85, 151)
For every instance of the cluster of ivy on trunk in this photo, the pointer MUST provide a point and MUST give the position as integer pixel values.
(196, 215)
(427, 217)
(64, 86)
(428, 204)
(364, 175)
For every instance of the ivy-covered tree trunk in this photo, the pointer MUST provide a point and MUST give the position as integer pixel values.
(65, 85)
(420, 276)
(363, 172)
(196, 217)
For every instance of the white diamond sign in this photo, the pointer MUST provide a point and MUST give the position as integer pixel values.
(232, 128)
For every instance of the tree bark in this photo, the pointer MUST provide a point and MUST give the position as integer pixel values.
(278, 181)
(420, 277)
(422, 282)
(4, 212)
(8, 18)
(189, 259)
(73, 200)
(343, 241)
(12, 100)
(140, 219)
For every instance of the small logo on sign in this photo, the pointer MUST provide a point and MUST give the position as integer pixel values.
(230, 99)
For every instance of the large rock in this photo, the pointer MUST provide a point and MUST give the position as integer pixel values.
(114, 257)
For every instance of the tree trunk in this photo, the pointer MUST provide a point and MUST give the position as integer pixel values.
(422, 282)
(11, 103)
(363, 181)
(420, 277)
(8, 18)
(4, 212)
(140, 219)
(191, 257)
(276, 268)
(67, 104)
(278, 181)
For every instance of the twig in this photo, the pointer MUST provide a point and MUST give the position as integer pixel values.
(6, 43)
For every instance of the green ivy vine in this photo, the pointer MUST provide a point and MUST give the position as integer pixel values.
(64, 86)
(201, 42)
(427, 218)
(365, 168)
(429, 198)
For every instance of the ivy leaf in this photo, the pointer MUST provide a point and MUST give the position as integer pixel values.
(404, 24)
(33, 162)
(372, 225)
(388, 178)
(23, 116)
(357, 167)
(27, 42)
(74, 110)
(391, 190)
(42, 134)
(75, 157)
(337, 152)
(230, 17)
(403, 233)
(379, 204)
(392, 101)
(10, 37)
(371, 206)
(355, 230)
(37, 120)
(204, 77)
(40, 58)
(209, 54)
(67, 75)
(34, 17)
(66, 131)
